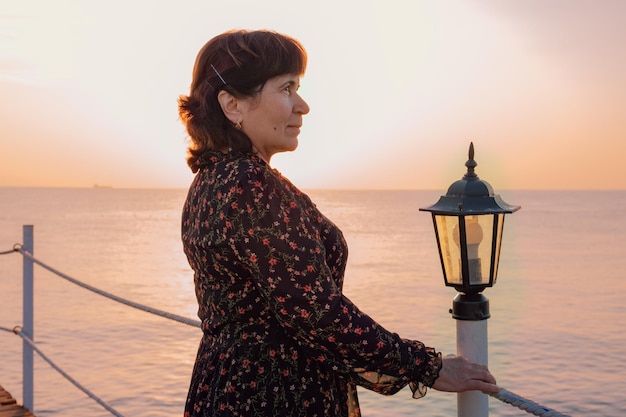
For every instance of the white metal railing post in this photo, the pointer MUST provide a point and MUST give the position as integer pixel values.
(28, 319)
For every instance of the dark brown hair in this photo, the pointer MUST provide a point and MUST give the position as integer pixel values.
(240, 62)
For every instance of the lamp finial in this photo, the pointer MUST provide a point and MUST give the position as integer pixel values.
(470, 164)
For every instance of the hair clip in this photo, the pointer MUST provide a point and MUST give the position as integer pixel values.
(218, 74)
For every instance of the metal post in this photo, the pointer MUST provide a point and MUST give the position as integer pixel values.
(471, 312)
(28, 319)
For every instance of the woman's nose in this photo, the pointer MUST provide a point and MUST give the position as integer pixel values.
(301, 106)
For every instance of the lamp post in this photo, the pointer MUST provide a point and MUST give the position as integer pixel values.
(468, 222)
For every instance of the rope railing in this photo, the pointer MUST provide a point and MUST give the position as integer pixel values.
(16, 248)
(503, 395)
(155, 311)
(18, 331)
(527, 405)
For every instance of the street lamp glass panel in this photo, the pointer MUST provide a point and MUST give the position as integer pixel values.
(479, 232)
(469, 247)
(447, 227)
(497, 243)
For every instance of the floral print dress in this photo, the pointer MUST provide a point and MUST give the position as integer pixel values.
(279, 337)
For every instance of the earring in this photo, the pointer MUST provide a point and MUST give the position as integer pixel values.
(238, 125)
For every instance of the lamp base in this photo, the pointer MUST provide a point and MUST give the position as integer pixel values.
(470, 307)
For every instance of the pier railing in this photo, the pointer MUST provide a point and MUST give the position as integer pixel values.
(26, 332)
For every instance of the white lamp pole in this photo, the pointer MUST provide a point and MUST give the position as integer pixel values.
(471, 313)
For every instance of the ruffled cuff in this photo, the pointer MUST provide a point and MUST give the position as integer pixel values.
(429, 375)
(385, 384)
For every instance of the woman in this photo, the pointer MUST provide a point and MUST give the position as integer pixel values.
(279, 338)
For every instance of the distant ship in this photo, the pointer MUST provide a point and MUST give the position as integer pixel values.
(102, 186)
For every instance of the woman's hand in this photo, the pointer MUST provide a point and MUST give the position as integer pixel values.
(458, 374)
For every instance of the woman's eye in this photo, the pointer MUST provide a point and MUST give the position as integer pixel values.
(291, 88)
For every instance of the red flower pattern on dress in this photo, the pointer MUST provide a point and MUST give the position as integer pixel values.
(280, 339)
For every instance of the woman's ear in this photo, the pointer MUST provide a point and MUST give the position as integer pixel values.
(230, 106)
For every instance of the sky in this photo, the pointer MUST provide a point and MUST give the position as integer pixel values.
(397, 90)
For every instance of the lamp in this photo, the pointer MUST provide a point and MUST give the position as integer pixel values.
(469, 221)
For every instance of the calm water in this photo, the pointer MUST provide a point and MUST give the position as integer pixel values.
(556, 335)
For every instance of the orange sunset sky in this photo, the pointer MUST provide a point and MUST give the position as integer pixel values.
(397, 90)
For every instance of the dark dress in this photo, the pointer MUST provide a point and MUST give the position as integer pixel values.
(279, 337)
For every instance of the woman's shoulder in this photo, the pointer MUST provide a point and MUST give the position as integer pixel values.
(244, 174)
(228, 170)
(228, 166)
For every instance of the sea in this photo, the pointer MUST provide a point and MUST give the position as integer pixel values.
(557, 332)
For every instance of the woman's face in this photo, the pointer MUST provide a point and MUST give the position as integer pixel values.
(272, 120)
